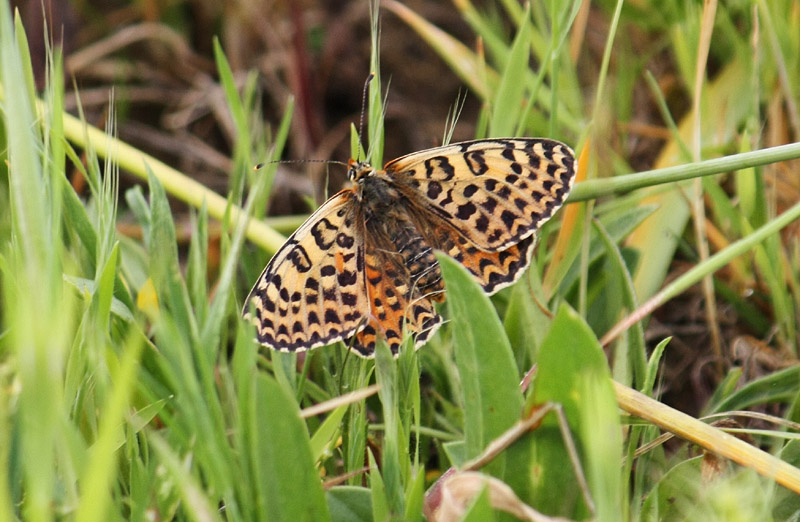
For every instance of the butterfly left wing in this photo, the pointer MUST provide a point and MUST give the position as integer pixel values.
(494, 192)
(313, 291)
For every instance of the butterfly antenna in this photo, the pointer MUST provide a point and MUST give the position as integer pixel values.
(363, 110)
(260, 166)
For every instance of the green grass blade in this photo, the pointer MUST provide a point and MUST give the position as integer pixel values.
(780, 386)
(38, 321)
(596, 188)
(99, 473)
(234, 102)
(197, 264)
(652, 367)
(630, 355)
(391, 466)
(357, 375)
(618, 224)
(25, 178)
(164, 264)
(326, 431)
(196, 503)
(415, 495)
(375, 101)
(509, 96)
(25, 60)
(380, 504)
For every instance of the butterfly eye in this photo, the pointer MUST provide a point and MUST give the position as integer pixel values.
(359, 170)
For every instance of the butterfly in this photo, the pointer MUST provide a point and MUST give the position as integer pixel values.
(363, 265)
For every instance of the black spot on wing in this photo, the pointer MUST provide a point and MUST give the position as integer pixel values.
(324, 233)
(470, 190)
(344, 240)
(441, 163)
(476, 161)
(298, 257)
(434, 189)
(466, 210)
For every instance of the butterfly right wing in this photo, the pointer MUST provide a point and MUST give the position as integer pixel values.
(313, 291)
(495, 192)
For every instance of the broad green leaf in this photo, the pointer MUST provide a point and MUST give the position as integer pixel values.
(629, 352)
(573, 372)
(525, 322)
(456, 451)
(489, 375)
(787, 503)
(288, 483)
(350, 504)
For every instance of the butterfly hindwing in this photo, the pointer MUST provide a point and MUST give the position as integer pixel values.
(396, 310)
(493, 270)
(403, 280)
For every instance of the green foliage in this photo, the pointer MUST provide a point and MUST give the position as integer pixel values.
(580, 382)
(492, 402)
(131, 389)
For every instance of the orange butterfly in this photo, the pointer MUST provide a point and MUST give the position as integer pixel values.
(363, 264)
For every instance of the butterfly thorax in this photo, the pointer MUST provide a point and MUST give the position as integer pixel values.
(376, 192)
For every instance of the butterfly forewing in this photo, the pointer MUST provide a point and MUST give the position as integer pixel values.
(313, 291)
(494, 192)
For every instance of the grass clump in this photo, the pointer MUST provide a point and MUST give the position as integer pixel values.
(131, 389)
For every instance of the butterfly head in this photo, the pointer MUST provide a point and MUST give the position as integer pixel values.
(358, 170)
